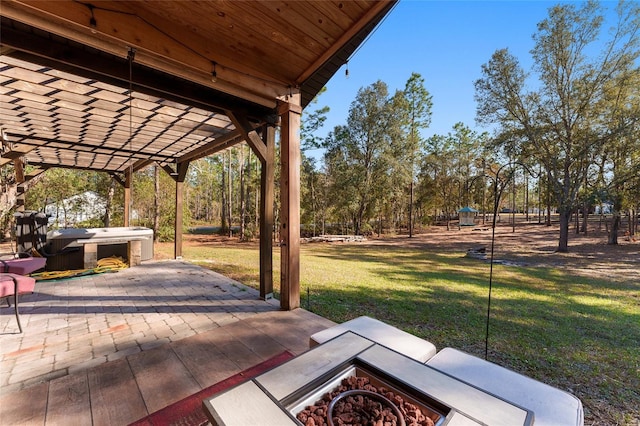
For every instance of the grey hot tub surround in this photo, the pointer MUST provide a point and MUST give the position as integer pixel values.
(134, 243)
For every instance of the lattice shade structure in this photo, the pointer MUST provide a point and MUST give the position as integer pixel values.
(59, 118)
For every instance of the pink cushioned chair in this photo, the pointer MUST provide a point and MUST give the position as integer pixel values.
(14, 285)
(23, 265)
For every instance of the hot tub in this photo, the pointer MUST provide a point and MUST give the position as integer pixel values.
(92, 244)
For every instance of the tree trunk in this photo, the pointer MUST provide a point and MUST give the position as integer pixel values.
(411, 210)
(243, 207)
(585, 210)
(548, 223)
(223, 210)
(615, 226)
(156, 202)
(585, 218)
(256, 199)
(109, 207)
(313, 201)
(356, 224)
(229, 196)
(563, 242)
(323, 225)
(247, 187)
(526, 196)
(540, 199)
(358, 220)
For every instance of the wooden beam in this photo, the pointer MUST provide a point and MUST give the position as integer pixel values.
(171, 171)
(18, 167)
(249, 133)
(117, 31)
(33, 173)
(16, 152)
(217, 145)
(30, 142)
(267, 190)
(141, 164)
(23, 185)
(290, 203)
(117, 178)
(344, 39)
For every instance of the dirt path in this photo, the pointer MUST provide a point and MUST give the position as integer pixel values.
(535, 245)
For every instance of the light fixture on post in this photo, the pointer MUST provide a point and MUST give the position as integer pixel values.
(214, 74)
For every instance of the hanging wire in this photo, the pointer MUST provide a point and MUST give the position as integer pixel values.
(497, 193)
(131, 56)
(378, 25)
(493, 238)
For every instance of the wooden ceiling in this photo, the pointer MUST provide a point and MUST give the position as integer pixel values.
(108, 85)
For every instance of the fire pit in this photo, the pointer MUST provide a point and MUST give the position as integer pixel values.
(363, 407)
(281, 394)
(357, 380)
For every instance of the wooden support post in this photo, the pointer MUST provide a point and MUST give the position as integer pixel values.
(266, 214)
(127, 197)
(177, 242)
(290, 204)
(179, 178)
(264, 148)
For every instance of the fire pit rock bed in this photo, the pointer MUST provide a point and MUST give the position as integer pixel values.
(362, 410)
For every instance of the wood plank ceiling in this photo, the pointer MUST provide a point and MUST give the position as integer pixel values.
(111, 85)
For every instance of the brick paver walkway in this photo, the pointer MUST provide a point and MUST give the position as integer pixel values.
(75, 324)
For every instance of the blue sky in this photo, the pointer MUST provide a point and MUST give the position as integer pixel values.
(444, 41)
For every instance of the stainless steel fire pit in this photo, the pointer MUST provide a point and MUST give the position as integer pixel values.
(275, 397)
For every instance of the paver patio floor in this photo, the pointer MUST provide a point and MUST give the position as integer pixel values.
(114, 347)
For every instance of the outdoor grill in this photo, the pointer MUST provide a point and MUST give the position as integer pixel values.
(280, 394)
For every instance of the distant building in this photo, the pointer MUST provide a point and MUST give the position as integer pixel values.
(467, 216)
(603, 208)
(76, 209)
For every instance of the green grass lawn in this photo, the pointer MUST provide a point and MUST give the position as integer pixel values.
(579, 334)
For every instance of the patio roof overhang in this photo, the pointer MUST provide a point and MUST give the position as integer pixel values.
(117, 85)
(65, 74)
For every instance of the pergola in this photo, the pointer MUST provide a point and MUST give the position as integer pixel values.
(115, 86)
